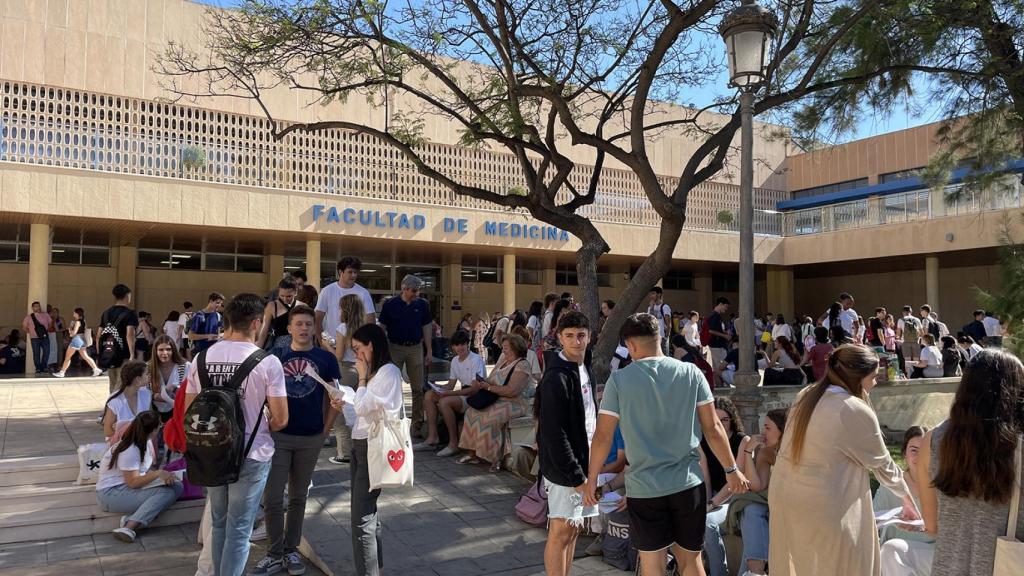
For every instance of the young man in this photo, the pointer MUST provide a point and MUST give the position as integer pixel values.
(654, 398)
(297, 445)
(908, 334)
(304, 291)
(328, 314)
(656, 307)
(549, 312)
(126, 322)
(466, 366)
(876, 329)
(566, 411)
(993, 331)
(408, 323)
(275, 315)
(719, 343)
(37, 325)
(976, 328)
(233, 507)
(204, 329)
(847, 317)
(183, 323)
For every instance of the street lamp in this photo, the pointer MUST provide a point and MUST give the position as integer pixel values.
(748, 32)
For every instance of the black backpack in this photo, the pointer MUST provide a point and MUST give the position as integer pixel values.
(624, 360)
(215, 426)
(111, 348)
(493, 350)
(616, 545)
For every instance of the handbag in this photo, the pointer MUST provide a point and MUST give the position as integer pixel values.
(484, 398)
(1009, 550)
(532, 507)
(389, 453)
(190, 491)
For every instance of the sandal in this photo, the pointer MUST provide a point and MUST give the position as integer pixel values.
(467, 459)
(495, 468)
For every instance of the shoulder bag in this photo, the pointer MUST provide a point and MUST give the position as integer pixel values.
(1009, 550)
(485, 398)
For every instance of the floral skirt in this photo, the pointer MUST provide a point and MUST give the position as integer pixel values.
(485, 431)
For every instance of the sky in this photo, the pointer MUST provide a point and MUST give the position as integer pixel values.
(915, 111)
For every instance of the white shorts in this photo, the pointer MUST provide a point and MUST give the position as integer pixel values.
(566, 503)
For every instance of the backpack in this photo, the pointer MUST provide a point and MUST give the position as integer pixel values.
(911, 329)
(616, 546)
(214, 426)
(934, 330)
(624, 359)
(705, 332)
(489, 344)
(112, 350)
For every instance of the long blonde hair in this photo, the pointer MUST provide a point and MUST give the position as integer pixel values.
(351, 307)
(848, 366)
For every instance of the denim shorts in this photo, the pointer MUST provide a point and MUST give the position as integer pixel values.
(77, 342)
(567, 504)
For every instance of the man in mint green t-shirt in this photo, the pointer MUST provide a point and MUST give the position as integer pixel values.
(662, 407)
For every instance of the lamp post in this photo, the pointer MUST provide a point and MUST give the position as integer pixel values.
(748, 31)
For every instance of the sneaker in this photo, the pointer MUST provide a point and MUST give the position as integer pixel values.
(126, 535)
(97, 372)
(424, 447)
(267, 565)
(293, 563)
(58, 374)
(749, 573)
(260, 533)
(330, 442)
(447, 451)
(595, 548)
(124, 520)
(339, 461)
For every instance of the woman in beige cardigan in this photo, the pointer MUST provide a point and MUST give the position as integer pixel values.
(820, 497)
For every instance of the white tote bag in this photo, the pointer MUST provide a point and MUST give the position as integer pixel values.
(389, 453)
(1010, 550)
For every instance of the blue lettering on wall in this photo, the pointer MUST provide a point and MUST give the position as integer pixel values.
(349, 216)
(402, 220)
(490, 228)
(463, 225)
(332, 215)
(419, 222)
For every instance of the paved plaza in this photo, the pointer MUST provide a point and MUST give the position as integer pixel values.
(456, 520)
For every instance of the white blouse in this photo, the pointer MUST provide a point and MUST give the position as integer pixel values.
(380, 399)
(164, 401)
(123, 411)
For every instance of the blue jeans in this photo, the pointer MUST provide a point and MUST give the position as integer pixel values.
(41, 353)
(754, 527)
(232, 511)
(714, 547)
(141, 505)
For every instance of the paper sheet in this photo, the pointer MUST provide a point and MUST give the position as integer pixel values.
(892, 517)
(156, 482)
(347, 394)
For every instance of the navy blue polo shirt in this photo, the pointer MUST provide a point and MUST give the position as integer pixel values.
(405, 322)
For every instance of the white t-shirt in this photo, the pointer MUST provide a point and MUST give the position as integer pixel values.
(534, 324)
(123, 411)
(692, 334)
(973, 351)
(932, 355)
(662, 312)
(171, 329)
(380, 398)
(846, 320)
(621, 353)
(164, 401)
(266, 380)
(502, 329)
(183, 322)
(126, 462)
(341, 331)
(589, 406)
(992, 327)
(329, 300)
(531, 359)
(545, 325)
(782, 330)
(465, 372)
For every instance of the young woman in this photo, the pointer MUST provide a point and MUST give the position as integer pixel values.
(785, 365)
(807, 333)
(550, 342)
(172, 329)
(131, 398)
(969, 460)
(532, 359)
(906, 550)
(534, 317)
(483, 323)
(144, 336)
(820, 492)
(954, 359)
(930, 363)
(692, 331)
(79, 332)
(274, 331)
(466, 324)
(353, 316)
(126, 483)
(780, 328)
(379, 396)
(749, 512)
(167, 370)
(482, 430)
(817, 355)
(718, 496)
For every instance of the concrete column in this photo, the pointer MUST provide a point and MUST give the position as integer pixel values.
(705, 295)
(780, 291)
(127, 267)
(931, 281)
(273, 263)
(508, 300)
(38, 279)
(452, 302)
(313, 263)
(547, 275)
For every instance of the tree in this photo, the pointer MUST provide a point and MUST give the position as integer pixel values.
(1007, 303)
(531, 78)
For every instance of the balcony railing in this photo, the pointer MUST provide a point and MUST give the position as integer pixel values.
(912, 206)
(355, 166)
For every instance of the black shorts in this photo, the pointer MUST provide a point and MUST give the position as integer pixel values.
(657, 523)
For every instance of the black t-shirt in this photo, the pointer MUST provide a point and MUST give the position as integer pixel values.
(14, 360)
(121, 317)
(874, 327)
(717, 324)
(715, 469)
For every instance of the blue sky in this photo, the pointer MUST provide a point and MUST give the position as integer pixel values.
(915, 111)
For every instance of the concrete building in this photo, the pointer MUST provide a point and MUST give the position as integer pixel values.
(103, 180)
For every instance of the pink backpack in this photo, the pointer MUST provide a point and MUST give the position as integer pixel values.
(532, 507)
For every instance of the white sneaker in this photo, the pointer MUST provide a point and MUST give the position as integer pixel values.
(126, 535)
(447, 451)
(749, 573)
(58, 374)
(259, 533)
(97, 372)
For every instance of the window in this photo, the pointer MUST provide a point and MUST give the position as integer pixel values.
(14, 243)
(565, 275)
(899, 175)
(830, 188)
(725, 282)
(528, 271)
(678, 280)
(70, 246)
(195, 254)
(486, 269)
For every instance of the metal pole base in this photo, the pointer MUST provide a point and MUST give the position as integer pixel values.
(748, 400)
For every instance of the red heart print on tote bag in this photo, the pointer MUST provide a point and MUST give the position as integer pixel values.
(396, 458)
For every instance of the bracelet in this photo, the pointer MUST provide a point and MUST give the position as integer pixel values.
(751, 452)
(731, 470)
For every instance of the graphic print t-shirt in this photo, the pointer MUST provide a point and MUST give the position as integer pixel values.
(266, 380)
(305, 394)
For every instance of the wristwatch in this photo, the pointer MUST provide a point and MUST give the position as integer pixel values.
(731, 470)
